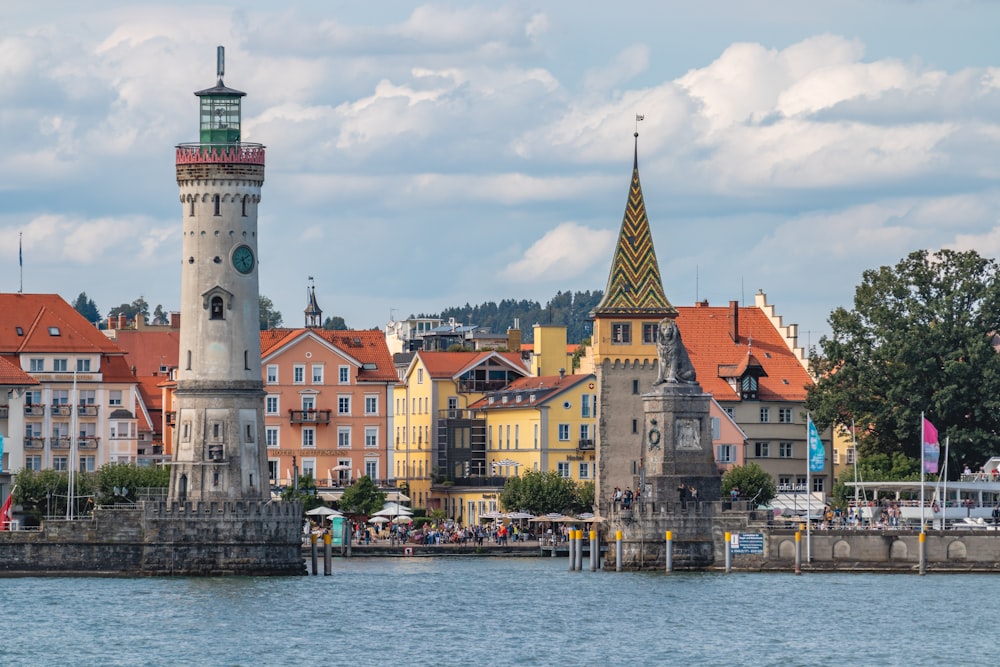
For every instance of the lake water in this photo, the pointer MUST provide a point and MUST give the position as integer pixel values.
(496, 611)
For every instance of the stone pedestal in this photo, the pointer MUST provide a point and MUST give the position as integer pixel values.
(678, 445)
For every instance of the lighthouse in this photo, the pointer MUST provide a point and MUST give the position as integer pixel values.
(219, 421)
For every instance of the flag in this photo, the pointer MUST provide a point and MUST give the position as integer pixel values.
(640, 116)
(5, 511)
(932, 449)
(817, 454)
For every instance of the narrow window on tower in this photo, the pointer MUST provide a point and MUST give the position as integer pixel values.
(216, 313)
(191, 208)
(245, 205)
(189, 360)
(218, 205)
(246, 360)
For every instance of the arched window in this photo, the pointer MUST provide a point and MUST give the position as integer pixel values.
(216, 313)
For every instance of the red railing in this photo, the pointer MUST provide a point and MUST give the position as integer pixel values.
(220, 153)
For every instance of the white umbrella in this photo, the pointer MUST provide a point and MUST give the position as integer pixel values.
(340, 467)
(335, 515)
(402, 519)
(378, 519)
(322, 511)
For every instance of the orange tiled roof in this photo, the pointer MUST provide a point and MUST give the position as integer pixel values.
(365, 346)
(11, 374)
(146, 351)
(546, 386)
(705, 331)
(36, 315)
(443, 365)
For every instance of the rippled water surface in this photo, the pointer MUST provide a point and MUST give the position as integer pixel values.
(492, 611)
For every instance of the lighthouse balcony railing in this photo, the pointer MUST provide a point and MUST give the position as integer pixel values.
(239, 153)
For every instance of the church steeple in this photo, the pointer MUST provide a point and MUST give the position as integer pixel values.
(314, 316)
(634, 284)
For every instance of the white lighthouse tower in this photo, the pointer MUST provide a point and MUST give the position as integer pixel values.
(217, 449)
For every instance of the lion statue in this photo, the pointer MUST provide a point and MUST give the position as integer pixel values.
(675, 365)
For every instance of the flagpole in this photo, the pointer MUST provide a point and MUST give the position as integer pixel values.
(922, 464)
(808, 488)
(20, 262)
(944, 500)
(71, 486)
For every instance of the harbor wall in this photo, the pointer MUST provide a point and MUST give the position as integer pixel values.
(699, 531)
(156, 538)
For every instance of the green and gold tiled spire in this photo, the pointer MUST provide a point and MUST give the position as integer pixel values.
(634, 285)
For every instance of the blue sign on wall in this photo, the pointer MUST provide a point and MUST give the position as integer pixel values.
(746, 543)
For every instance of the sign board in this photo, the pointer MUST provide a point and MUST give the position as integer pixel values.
(337, 531)
(746, 543)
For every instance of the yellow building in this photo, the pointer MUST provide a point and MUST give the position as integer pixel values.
(437, 442)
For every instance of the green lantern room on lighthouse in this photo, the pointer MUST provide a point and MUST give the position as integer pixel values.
(220, 110)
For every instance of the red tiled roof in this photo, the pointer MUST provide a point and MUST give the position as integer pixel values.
(11, 374)
(548, 387)
(146, 351)
(365, 346)
(705, 331)
(36, 315)
(449, 364)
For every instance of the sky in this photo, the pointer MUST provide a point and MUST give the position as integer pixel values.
(423, 155)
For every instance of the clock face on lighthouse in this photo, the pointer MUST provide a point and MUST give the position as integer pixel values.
(243, 259)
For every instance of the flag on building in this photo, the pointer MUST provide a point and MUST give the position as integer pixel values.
(5, 511)
(931, 448)
(640, 116)
(817, 454)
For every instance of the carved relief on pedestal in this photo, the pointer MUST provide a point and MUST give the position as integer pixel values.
(688, 434)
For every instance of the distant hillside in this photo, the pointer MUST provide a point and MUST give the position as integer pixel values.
(568, 308)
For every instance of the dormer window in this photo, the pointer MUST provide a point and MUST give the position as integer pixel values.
(748, 387)
(54, 331)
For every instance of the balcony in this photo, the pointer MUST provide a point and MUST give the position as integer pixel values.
(61, 410)
(309, 416)
(586, 444)
(34, 410)
(91, 442)
(34, 443)
(59, 443)
(243, 153)
(86, 410)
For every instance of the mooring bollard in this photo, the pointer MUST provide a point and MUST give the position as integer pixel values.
(327, 554)
(579, 549)
(729, 552)
(670, 551)
(923, 553)
(314, 538)
(798, 552)
(595, 550)
(618, 551)
(571, 543)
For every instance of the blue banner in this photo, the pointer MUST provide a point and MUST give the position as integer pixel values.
(817, 455)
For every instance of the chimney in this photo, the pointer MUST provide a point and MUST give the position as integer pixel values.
(514, 339)
(562, 374)
(175, 320)
(734, 321)
(121, 321)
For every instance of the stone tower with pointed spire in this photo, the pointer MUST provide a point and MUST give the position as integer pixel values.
(314, 315)
(624, 344)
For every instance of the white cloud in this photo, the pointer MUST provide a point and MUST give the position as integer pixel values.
(564, 253)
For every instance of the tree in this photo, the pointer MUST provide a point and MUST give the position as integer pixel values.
(131, 310)
(87, 308)
(129, 480)
(921, 338)
(335, 323)
(44, 493)
(304, 492)
(544, 492)
(362, 497)
(269, 317)
(876, 467)
(160, 316)
(754, 484)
